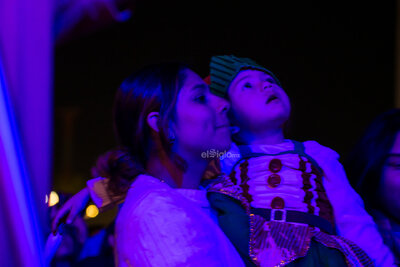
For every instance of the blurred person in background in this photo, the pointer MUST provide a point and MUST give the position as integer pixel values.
(74, 236)
(373, 167)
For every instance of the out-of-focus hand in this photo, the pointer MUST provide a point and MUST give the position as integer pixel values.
(72, 207)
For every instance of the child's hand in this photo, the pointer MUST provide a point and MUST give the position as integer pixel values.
(72, 207)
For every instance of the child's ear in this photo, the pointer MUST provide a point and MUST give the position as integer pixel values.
(152, 120)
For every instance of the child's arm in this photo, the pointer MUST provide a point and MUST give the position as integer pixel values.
(351, 219)
(234, 222)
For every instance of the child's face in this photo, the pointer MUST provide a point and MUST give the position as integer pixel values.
(257, 101)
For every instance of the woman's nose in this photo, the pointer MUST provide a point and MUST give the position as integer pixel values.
(222, 105)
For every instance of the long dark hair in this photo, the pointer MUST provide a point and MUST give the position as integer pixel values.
(365, 163)
(151, 89)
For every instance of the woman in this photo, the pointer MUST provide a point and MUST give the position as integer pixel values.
(165, 118)
(374, 169)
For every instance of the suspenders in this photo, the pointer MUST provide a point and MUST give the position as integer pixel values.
(246, 153)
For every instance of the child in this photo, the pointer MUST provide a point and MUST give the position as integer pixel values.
(284, 202)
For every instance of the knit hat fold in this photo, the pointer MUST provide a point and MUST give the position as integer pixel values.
(223, 69)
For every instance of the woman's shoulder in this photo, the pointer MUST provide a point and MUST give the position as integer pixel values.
(153, 204)
(145, 184)
(146, 195)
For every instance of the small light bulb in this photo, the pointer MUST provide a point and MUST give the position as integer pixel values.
(92, 211)
(53, 199)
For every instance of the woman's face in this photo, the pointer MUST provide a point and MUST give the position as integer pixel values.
(201, 119)
(390, 182)
(258, 101)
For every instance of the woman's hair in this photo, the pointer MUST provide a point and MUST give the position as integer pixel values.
(365, 163)
(151, 89)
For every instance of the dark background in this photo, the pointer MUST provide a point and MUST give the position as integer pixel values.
(334, 59)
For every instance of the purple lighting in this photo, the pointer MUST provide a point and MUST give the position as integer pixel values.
(26, 55)
(15, 189)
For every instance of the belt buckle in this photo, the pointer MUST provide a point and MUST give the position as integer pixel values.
(273, 215)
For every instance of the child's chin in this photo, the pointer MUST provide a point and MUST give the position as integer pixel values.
(273, 116)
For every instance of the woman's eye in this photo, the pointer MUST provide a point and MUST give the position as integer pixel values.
(247, 85)
(394, 165)
(200, 99)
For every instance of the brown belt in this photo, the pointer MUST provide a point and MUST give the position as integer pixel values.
(281, 215)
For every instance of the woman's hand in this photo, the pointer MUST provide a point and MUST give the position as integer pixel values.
(72, 207)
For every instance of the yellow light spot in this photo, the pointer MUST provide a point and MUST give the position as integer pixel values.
(92, 211)
(53, 198)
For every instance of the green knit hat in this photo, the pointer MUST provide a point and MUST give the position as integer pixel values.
(223, 69)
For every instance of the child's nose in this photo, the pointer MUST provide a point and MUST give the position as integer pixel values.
(266, 86)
